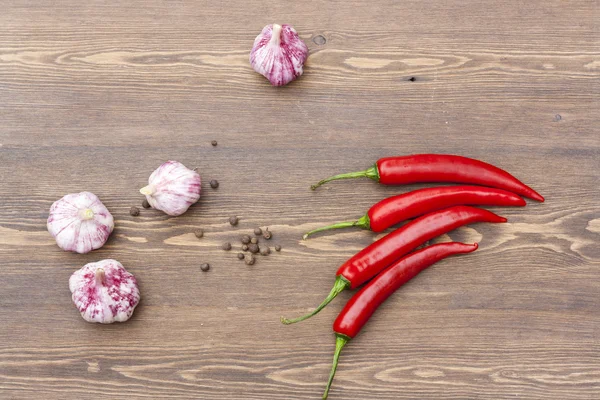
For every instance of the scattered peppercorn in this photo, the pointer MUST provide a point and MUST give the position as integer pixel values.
(265, 251)
(214, 142)
(277, 247)
(134, 211)
(253, 247)
(245, 247)
(240, 256)
(267, 234)
(245, 239)
(199, 233)
(254, 240)
(257, 231)
(249, 259)
(226, 246)
(145, 204)
(205, 267)
(233, 221)
(214, 183)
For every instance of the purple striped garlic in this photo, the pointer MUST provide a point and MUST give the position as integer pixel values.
(172, 188)
(104, 292)
(80, 222)
(278, 54)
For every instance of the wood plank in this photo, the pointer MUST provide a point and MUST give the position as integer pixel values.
(95, 96)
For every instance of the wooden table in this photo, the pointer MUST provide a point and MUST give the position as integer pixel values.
(94, 96)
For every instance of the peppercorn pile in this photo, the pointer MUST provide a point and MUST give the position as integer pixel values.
(250, 246)
(390, 262)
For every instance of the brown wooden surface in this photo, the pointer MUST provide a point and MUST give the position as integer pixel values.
(95, 96)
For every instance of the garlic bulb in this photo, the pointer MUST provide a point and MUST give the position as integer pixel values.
(172, 188)
(278, 54)
(80, 222)
(104, 292)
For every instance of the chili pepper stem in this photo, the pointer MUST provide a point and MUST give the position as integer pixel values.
(340, 284)
(371, 173)
(340, 342)
(363, 222)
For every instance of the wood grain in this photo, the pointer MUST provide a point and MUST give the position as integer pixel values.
(94, 96)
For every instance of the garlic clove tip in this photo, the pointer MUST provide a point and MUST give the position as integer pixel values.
(100, 276)
(87, 214)
(147, 190)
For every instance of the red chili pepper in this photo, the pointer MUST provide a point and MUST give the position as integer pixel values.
(439, 168)
(395, 209)
(368, 262)
(363, 304)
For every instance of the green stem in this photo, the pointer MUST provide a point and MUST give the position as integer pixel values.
(363, 222)
(371, 173)
(340, 284)
(340, 342)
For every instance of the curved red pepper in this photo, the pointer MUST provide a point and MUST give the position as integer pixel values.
(368, 262)
(363, 304)
(395, 209)
(439, 168)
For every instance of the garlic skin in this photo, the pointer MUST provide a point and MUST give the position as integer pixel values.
(104, 292)
(278, 54)
(172, 188)
(80, 222)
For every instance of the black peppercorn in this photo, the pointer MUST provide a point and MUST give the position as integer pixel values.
(245, 239)
(134, 211)
(253, 247)
(214, 183)
(233, 221)
(267, 234)
(277, 247)
(226, 246)
(257, 231)
(205, 267)
(249, 259)
(145, 204)
(199, 233)
(240, 256)
(214, 142)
